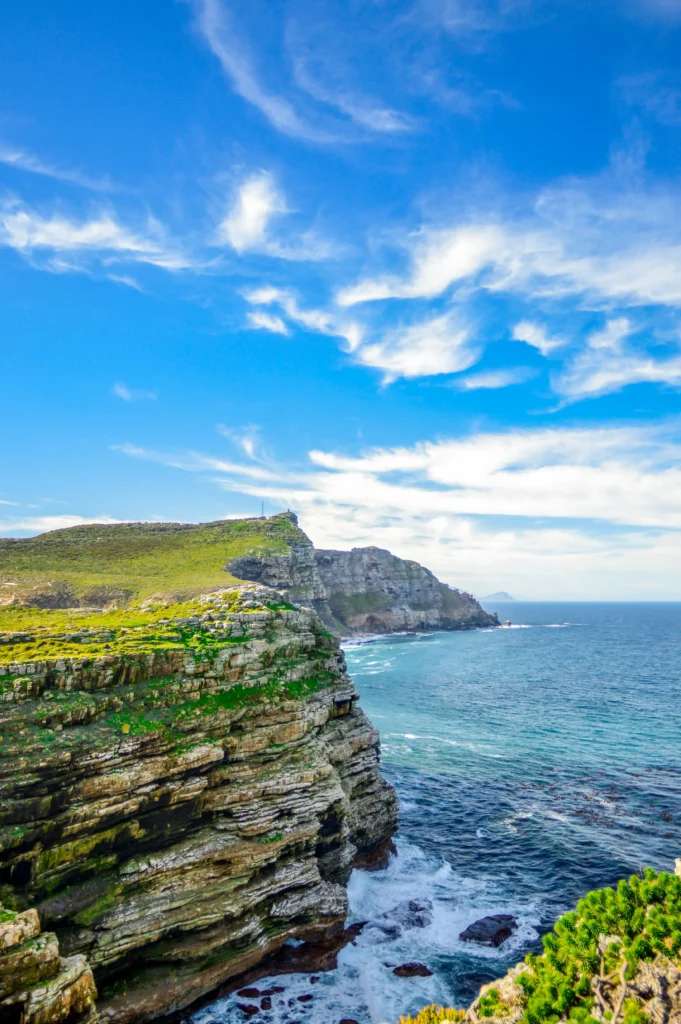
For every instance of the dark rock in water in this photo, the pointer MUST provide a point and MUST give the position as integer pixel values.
(272, 991)
(305, 998)
(348, 1020)
(408, 914)
(490, 931)
(376, 859)
(266, 1003)
(249, 993)
(413, 970)
(248, 1009)
(314, 979)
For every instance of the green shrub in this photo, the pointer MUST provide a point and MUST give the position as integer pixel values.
(642, 919)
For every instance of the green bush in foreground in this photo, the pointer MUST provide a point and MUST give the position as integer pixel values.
(606, 938)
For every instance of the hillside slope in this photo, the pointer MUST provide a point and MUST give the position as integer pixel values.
(96, 566)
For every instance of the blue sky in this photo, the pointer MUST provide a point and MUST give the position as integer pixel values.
(410, 267)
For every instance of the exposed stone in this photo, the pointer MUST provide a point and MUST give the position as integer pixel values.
(490, 931)
(37, 985)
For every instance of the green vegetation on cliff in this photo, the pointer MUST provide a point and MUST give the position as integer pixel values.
(122, 563)
(36, 634)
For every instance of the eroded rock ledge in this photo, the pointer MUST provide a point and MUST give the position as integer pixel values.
(179, 795)
(37, 985)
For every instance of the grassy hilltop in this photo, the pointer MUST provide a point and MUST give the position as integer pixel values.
(133, 562)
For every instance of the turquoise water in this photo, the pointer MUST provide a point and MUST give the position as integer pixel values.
(533, 763)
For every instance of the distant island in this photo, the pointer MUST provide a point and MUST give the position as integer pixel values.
(500, 595)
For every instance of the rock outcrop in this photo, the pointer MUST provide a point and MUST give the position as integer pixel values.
(182, 790)
(365, 590)
(37, 985)
(490, 931)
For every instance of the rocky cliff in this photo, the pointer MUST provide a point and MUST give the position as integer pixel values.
(182, 789)
(366, 590)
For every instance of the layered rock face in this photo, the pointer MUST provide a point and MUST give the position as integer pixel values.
(180, 795)
(365, 590)
(370, 590)
(37, 985)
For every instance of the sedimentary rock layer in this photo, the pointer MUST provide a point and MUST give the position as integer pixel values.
(37, 985)
(179, 796)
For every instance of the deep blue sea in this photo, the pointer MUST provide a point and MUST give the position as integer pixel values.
(533, 763)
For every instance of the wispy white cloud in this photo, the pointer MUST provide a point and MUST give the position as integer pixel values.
(23, 160)
(133, 394)
(658, 94)
(215, 24)
(494, 379)
(435, 345)
(256, 203)
(364, 111)
(246, 438)
(608, 362)
(266, 322)
(586, 240)
(195, 462)
(317, 320)
(29, 232)
(536, 336)
(43, 524)
(247, 227)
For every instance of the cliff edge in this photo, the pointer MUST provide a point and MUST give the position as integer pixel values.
(365, 590)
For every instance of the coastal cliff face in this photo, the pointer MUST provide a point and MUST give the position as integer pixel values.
(370, 590)
(365, 590)
(181, 790)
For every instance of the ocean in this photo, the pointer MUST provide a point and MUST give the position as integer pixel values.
(533, 763)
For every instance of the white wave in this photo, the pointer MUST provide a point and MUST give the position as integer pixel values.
(561, 625)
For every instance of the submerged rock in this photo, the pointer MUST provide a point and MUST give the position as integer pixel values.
(407, 914)
(490, 931)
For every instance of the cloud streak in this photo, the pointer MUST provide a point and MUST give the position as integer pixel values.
(23, 160)
(30, 232)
